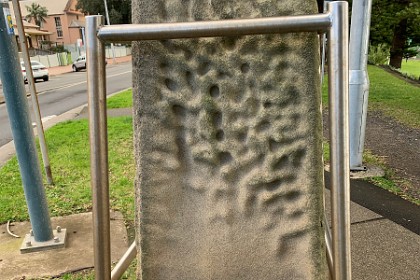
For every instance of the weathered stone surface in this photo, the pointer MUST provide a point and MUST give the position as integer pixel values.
(228, 148)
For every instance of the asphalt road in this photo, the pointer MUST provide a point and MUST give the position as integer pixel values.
(65, 92)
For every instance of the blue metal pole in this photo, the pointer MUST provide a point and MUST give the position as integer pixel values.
(18, 110)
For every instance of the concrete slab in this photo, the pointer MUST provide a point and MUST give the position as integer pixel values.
(77, 255)
(384, 250)
(369, 172)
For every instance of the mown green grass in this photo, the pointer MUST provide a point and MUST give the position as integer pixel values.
(411, 67)
(68, 145)
(392, 96)
(397, 99)
(121, 100)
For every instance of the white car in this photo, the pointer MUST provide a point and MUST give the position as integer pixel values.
(39, 71)
(79, 64)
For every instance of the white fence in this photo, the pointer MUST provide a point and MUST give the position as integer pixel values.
(119, 51)
(62, 59)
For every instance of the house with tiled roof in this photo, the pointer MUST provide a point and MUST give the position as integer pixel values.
(33, 33)
(64, 24)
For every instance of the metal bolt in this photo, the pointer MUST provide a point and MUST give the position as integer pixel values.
(31, 232)
(56, 239)
(28, 243)
(58, 229)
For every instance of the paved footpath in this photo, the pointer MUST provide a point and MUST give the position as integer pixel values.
(385, 234)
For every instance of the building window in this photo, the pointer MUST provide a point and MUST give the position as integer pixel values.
(58, 27)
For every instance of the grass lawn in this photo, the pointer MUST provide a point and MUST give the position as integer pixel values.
(121, 100)
(392, 96)
(411, 67)
(68, 145)
(395, 98)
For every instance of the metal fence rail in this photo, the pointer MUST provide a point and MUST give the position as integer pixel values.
(335, 22)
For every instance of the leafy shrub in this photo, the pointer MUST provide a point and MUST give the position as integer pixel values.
(379, 54)
(58, 49)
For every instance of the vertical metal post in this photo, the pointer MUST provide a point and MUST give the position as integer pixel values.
(95, 64)
(83, 36)
(359, 79)
(18, 110)
(339, 133)
(109, 23)
(323, 38)
(32, 89)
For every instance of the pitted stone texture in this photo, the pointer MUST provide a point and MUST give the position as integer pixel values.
(228, 148)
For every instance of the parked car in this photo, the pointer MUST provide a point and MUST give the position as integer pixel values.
(39, 71)
(80, 63)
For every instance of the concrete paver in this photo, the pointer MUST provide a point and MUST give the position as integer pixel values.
(383, 250)
(77, 255)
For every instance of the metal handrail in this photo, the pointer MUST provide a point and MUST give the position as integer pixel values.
(230, 27)
(335, 22)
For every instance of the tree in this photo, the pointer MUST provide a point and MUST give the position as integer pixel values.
(119, 10)
(37, 13)
(394, 22)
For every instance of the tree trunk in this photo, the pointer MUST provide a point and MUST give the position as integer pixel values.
(398, 43)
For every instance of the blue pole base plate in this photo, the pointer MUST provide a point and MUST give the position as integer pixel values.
(29, 244)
